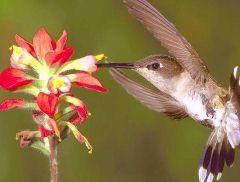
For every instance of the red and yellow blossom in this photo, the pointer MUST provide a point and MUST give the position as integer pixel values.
(44, 70)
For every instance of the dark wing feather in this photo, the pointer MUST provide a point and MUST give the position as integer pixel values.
(170, 38)
(157, 101)
(217, 152)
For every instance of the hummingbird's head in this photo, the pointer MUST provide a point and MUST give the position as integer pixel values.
(157, 69)
(161, 64)
(160, 70)
(158, 65)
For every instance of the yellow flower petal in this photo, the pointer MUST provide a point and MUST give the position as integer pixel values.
(72, 100)
(81, 138)
(100, 57)
(87, 64)
(22, 59)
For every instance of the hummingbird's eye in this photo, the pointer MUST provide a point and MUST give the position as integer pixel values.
(155, 66)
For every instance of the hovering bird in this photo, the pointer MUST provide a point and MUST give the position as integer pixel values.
(185, 88)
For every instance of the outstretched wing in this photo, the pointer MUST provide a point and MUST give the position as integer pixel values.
(220, 148)
(157, 101)
(233, 118)
(170, 38)
(216, 154)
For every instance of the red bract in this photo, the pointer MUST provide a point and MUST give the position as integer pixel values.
(86, 80)
(11, 79)
(47, 103)
(45, 132)
(82, 114)
(59, 57)
(45, 48)
(11, 104)
(24, 44)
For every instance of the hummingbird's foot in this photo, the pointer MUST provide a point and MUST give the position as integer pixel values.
(210, 112)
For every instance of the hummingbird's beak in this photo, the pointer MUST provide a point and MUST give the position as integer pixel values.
(117, 65)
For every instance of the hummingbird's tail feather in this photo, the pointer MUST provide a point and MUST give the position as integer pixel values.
(157, 101)
(217, 152)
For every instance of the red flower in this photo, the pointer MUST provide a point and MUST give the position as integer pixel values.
(24, 44)
(45, 48)
(51, 83)
(11, 79)
(81, 111)
(11, 104)
(82, 114)
(86, 80)
(48, 103)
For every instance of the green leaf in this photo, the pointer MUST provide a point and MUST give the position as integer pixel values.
(40, 146)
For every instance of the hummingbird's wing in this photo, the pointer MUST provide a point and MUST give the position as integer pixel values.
(220, 148)
(170, 38)
(157, 101)
(233, 124)
(217, 152)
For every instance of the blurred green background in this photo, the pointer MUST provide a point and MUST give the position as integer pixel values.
(131, 143)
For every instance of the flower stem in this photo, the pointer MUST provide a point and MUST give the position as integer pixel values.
(53, 159)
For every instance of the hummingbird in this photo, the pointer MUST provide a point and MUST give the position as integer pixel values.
(185, 88)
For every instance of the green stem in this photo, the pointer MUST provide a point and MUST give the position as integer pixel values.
(53, 159)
